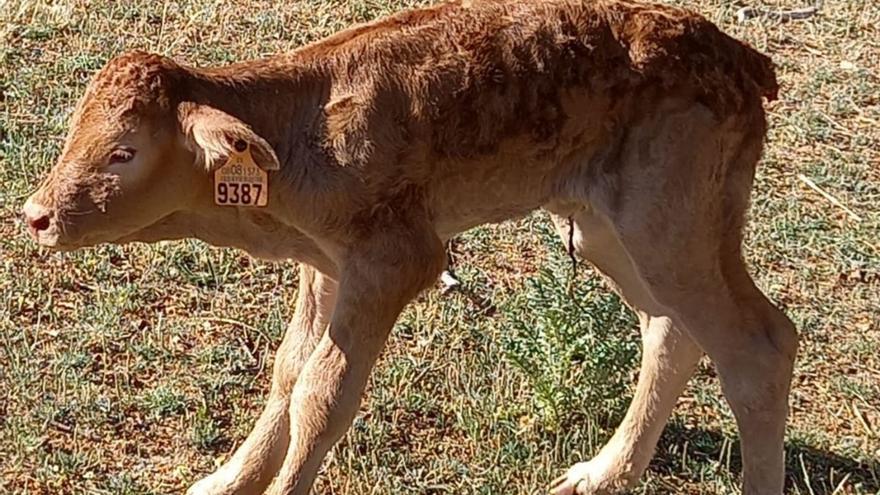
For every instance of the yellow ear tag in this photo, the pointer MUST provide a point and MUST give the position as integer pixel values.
(241, 182)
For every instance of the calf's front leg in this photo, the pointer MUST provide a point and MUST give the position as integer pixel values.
(373, 290)
(254, 464)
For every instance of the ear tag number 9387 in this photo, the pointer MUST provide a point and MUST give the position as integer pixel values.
(241, 182)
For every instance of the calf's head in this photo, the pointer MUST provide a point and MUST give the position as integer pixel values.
(141, 149)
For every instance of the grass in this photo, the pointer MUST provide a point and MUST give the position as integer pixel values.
(138, 369)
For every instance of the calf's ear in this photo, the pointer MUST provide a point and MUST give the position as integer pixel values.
(214, 135)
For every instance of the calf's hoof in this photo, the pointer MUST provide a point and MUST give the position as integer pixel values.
(214, 484)
(584, 478)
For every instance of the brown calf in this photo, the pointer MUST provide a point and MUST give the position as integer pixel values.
(637, 125)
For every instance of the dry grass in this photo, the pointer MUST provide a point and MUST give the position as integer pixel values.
(138, 369)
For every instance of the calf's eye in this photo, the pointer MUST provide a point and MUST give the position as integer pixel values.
(121, 155)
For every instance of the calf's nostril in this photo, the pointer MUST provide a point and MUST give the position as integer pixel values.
(37, 217)
(40, 223)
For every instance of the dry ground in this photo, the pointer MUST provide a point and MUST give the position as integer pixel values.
(138, 369)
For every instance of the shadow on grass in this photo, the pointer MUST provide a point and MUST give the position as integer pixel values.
(809, 470)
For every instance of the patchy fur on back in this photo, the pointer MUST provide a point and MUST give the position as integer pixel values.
(474, 73)
(477, 72)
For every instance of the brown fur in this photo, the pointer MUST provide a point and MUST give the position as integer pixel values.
(637, 125)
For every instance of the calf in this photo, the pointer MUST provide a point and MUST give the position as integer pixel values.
(637, 126)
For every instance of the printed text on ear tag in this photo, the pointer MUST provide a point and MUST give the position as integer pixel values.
(240, 182)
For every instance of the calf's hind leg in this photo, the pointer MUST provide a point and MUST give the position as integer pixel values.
(257, 460)
(753, 346)
(669, 357)
(678, 213)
